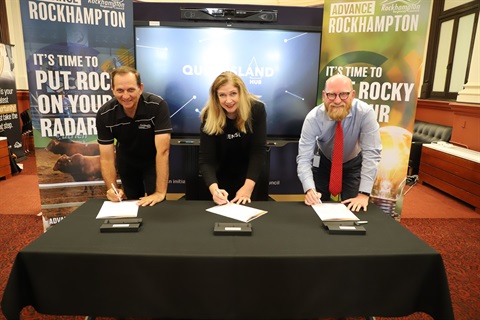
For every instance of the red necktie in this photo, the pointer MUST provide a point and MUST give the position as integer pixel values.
(335, 186)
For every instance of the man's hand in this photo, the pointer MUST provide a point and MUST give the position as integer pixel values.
(151, 200)
(312, 197)
(357, 203)
(112, 196)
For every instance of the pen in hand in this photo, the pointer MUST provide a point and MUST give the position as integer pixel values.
(313, 197)
(319, 197)
(116, 192)
(221, 194)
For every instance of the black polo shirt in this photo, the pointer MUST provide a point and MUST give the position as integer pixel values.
(135, 137)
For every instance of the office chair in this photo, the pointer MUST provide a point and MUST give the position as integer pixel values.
(27, 128)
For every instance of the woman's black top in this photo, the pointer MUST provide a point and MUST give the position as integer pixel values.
(231, 157)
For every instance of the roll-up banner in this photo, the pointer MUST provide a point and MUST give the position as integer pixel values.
(71, 47)
(10, 126)
(380, 45)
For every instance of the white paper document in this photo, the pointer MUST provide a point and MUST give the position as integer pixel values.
(334, 212)
(122, 209)
(237, 212)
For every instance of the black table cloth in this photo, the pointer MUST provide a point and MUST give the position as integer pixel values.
(176, 268)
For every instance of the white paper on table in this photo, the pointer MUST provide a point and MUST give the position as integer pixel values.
(122, 209)
(334, 212)
(237, 212)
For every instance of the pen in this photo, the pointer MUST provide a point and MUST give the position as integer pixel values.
(358, 223)
(218, 191)
(319, 197)
(116, 192)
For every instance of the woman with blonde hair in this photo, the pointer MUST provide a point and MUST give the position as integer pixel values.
(232, 140)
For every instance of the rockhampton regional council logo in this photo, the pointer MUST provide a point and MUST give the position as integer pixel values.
(401, 6)
(109, 4)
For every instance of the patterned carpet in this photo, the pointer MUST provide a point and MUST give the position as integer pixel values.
(424, 201)
(458, 240)
(20, 193)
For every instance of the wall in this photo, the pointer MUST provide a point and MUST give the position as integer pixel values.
(466, 125)
(283, 177)
(434, 111)
(300, 16)
(462, 117)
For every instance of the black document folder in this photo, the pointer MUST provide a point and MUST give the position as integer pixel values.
(344, 227)
(232, 229)
(121, 225)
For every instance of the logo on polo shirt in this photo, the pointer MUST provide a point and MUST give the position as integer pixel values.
(144, 126)
(234, 135)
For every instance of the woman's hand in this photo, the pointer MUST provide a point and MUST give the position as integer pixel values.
(244, 194)
(220, 196)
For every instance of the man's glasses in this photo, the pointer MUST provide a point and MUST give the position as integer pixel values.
(332, 96)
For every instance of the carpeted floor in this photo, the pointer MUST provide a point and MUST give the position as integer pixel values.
(458, 241)
(424, 201)
(20, 193)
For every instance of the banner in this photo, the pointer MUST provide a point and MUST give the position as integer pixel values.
(71, 48)
(9, 117)
(380, 46)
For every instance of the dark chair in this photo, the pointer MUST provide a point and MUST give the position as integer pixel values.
(27, 129)
(425, 132)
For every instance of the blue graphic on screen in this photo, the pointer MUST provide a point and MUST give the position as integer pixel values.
(279, 66)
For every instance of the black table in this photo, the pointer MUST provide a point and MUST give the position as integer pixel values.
(176, 268)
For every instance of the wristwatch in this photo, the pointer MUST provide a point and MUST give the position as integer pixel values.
(365, 193)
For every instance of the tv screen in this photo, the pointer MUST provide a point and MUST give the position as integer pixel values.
(280, 66)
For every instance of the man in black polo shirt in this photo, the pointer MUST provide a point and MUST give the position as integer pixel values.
(140, 123)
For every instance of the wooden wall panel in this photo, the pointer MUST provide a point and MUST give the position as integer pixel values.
(463, 118)
(466, 126)
(435, 112)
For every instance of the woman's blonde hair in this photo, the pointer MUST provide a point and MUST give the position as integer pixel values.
(215, 115)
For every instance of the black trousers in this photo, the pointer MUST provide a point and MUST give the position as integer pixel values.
(137, 181)
(350, 177)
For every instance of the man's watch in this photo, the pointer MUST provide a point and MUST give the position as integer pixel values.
(365, 193)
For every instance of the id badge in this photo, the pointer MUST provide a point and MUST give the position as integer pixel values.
(316, 154)
(316, 160)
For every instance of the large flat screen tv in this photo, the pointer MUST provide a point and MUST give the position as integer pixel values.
(280, 65)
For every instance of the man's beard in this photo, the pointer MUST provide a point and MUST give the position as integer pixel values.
(338, 114)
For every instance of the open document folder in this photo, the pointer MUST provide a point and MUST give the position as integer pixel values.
(122, 209)
(334, 212)
(237, 212)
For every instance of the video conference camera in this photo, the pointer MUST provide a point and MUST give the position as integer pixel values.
(228, 14)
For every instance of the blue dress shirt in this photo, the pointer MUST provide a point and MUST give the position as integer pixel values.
(360, 132)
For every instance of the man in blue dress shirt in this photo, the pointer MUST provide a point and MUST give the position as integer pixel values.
(361, 146)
